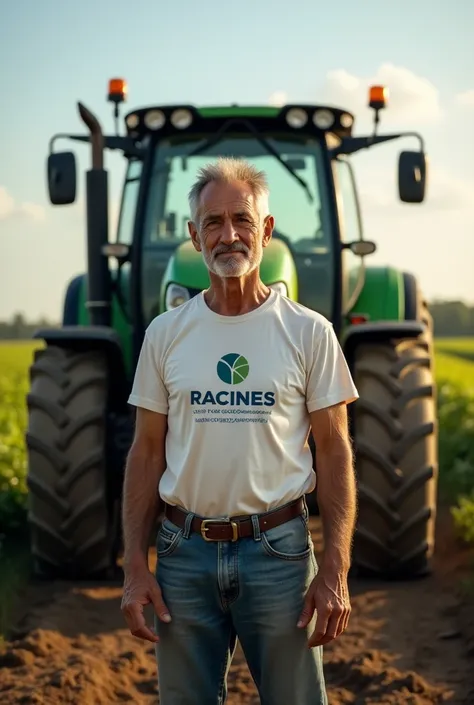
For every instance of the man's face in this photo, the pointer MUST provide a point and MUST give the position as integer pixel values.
(231, 234)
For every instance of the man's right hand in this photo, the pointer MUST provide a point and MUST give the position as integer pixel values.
(140, 589)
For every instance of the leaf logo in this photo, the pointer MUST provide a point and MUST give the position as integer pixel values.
(232, 368)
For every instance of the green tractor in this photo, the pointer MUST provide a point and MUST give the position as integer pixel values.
(80, 425)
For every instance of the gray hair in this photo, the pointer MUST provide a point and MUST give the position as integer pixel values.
(227, 169)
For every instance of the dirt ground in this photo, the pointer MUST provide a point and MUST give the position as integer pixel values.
(407, 643)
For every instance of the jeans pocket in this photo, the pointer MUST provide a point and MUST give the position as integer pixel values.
(168, 538)
(290, 541)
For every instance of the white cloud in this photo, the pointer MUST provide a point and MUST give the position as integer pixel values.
(426, 239)
(466, 98)
(411, 98)
(7, 204)
(10, 209)
(32, 210)
(444, 192)
(278, 98)
(447, 192)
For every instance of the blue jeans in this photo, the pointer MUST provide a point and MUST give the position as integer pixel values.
(252, 589)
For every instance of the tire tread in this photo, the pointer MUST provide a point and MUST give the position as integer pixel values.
(68, 510)
(393, 537)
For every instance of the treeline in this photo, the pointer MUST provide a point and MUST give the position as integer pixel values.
(451, 319)
(21, 329)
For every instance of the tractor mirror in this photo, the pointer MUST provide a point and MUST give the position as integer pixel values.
(361, 247)
(412, 177)
(62, 178)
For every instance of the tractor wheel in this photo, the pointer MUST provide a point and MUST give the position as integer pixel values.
(69, 514)
(395, 438)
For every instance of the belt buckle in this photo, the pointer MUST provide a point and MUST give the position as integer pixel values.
(204, 528)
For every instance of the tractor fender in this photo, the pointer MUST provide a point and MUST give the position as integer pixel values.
(76, 313)
(411, 296)
(378, 331)
(84, 338)
(72, 301)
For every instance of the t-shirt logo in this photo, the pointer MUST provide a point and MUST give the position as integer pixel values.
(232, 368)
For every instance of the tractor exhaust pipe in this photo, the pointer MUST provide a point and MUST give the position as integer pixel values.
(98, 273)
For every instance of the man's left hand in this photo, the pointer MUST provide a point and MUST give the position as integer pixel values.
(328, 594)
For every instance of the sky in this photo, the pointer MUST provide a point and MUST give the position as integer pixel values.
(54, 53)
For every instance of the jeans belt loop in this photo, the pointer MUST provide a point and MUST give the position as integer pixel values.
(187, 524)
(256, 527)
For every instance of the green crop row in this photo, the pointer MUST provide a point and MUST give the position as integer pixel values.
(454, 365)
(14, 361)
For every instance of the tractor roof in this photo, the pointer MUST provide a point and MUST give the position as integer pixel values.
(168, 120)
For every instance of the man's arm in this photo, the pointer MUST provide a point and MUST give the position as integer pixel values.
(328, 594)
(146, 463)
(336, 486)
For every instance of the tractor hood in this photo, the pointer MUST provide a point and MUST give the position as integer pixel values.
(187, 268)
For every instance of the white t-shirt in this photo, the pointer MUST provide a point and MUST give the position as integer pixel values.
(238, 391)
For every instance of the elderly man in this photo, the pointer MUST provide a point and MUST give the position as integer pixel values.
(227, 388)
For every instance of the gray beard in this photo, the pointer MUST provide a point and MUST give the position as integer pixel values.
(232, 266)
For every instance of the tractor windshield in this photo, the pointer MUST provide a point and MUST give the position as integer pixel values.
(298, 201)
(294, 202)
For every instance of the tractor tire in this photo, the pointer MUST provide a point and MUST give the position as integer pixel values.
(396, 455)
(71, 529)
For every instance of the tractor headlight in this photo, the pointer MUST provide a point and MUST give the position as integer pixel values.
(132, 121)
(175, 296)
(280, 287)
(297, 117)
(324, 119)
(155, 119)
(181, 118)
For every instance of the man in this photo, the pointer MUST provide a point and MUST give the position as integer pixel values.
(226, 389)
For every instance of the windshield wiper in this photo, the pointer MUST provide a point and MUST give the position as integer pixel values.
(211, 141)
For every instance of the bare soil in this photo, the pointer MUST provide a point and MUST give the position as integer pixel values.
(410, 642)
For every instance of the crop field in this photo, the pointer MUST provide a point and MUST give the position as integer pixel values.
(15, 359)
(455, 362)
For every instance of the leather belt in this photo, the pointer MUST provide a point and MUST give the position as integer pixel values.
(235, 527)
